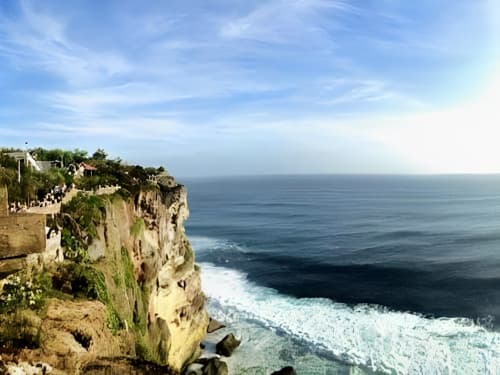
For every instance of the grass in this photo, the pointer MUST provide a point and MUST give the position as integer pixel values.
(128, 269)
(138, 227)
(143, 350)
(110, 279)
(20, 329)
(88, 282)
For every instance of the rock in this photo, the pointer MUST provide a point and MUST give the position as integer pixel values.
(289, 370)
(214, 325)
(215, 366)
(202, 361)
(227, 345)
(122, 365)
(25, 368)
(194, 369)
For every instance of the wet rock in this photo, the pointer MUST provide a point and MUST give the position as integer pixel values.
(3, 369)
(289, 370)
(194, 369)
(227, 345)
(123, 366)
(214, 325)
(215, 366)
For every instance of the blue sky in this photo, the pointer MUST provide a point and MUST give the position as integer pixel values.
(257, 87)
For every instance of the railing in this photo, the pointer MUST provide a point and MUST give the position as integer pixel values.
(51, 207)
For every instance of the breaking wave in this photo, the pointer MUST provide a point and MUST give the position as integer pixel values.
(370, 336)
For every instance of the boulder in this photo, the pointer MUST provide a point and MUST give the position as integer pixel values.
(194, 369)
(289, 370)
(214, 325)
(227, 345)
(215, 366)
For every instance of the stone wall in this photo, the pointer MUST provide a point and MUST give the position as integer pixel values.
(4, 202)
(21, 235)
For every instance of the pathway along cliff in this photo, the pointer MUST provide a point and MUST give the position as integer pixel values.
(127, 297)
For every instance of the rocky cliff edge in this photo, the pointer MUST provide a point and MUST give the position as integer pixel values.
(126, 297)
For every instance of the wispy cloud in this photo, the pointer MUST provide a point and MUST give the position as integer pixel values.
(310, 72)
(288, 22)
(39, 39)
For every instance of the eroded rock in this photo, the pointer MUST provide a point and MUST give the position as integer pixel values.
(288, 370)
(227, 345)
(194, 369)
(214, 325)
(215, 366)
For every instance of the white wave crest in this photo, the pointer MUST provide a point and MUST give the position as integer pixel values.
(206, 244)
(369, 336)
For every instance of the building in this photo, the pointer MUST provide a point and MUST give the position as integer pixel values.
(85, 169)
(25, 158)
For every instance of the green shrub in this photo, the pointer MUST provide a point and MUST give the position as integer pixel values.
(74, 249)
(128, 269)
(138, 227)
(123, 193)
(113, 320)
(88, 211)
(86, 281)
(89, 283)
(22, 292)
(144, 351)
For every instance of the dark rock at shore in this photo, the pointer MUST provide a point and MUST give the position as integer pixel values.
(194, 369)
(289, 370)
(214, 325)
(215, 366)
(125, 365)
(202, 361)
(227, 345)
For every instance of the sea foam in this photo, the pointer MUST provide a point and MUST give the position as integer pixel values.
(373, 337)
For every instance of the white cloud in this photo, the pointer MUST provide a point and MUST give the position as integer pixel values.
(291, 93)
(39, 39)
(140, 129)
(460, 139)
(281, 21)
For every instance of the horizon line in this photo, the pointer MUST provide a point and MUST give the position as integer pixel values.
(409, 174)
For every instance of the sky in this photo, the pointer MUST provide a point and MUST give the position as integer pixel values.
(235, 87)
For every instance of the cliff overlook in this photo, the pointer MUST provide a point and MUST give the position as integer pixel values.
(114, 286)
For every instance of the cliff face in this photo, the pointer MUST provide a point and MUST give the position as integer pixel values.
(148, 301)
(152, 231)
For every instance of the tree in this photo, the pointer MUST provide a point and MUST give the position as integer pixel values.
(79, 155)
(100, 154)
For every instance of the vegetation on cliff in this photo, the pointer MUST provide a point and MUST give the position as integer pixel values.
(114, 251)
(34, 185)
(110, 279)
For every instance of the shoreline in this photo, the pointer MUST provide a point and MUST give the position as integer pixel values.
(279, 330)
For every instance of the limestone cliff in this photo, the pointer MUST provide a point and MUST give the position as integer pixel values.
(152, 231)
(138, 298)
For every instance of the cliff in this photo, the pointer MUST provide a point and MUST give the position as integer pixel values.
(127, 297)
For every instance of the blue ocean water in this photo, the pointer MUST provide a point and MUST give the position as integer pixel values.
(395, 274)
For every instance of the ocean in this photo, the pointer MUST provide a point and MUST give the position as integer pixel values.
(347, 274)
